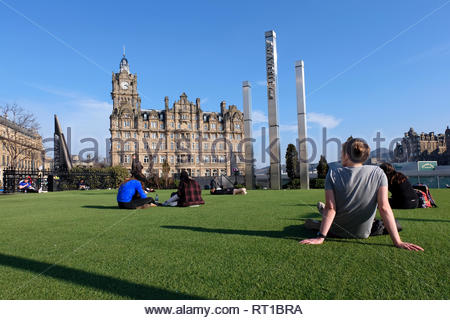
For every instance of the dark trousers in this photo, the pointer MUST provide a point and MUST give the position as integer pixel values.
(135, 202)
(405, 204)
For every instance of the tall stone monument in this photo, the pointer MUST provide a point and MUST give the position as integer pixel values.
(301, 117)
(272, 97)
(62, 159)
(248, 136)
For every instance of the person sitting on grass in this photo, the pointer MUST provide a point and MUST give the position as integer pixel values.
(215, 190)
(26, 186)
(189, 193)
(82, 185)
(403, 194)
(352, 194)
(131, 195)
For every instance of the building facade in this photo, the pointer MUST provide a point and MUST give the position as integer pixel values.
(183, 135)
(19, 147)
(424, 146)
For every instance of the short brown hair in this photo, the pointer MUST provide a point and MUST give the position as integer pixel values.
(357, 150)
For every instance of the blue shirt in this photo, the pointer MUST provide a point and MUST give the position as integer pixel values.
(27, 185)
(128, 190)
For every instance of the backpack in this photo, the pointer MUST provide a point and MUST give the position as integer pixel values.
(424, 195)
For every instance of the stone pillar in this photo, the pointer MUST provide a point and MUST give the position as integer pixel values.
(301, 117)
(272, 97)
(248, 136)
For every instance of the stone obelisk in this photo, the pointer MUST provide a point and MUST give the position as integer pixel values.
(248, 136)
(272, 97)
(301, 117)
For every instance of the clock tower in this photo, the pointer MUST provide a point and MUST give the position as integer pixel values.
(125, 116)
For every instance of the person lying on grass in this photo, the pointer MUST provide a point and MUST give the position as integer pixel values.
(131, 195)
(352, 194)
(214, 189)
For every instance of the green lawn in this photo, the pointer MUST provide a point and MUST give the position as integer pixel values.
(78, 245)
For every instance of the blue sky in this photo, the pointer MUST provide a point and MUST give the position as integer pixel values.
(369, 65)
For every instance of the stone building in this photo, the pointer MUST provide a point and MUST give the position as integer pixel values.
(202, 143)
(27, 143)
(424, 146)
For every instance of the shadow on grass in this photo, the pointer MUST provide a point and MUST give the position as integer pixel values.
(313, 205)
(101, 207)
(292, 232)
(423, 220)
(112, 285)
(295, 232)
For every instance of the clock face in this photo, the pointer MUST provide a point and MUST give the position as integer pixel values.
(124, 85)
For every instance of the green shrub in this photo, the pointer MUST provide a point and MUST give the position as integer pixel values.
(293, 184)
(317, 183)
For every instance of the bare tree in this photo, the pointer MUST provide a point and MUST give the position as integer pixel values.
(19, 134)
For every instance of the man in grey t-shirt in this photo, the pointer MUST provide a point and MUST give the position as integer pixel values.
(352, 194)
(355, 191)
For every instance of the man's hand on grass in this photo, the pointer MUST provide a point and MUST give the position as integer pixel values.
(312, 241)
(409, 246)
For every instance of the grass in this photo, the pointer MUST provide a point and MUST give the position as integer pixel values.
(78, 245)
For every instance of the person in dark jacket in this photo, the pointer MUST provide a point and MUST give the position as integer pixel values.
(403, 194)
(136, 172)
(131, 195)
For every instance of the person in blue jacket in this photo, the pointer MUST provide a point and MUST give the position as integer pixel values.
(131, 195)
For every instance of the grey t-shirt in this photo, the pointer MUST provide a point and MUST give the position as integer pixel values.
(355, 190)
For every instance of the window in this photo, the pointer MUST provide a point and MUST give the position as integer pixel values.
(162, 135)
(215, 172)
(189, 125)
(205, 146)
(118, 146)
(238, 136)
(223, 172)
(205, 127)
(230, 136)
(127, 134)
(213, 126)
(162, 159)
(171, 135)
(127, 147)
(171, 159)
(146, 145)
(208, 172)
(172, 146)
(206, 159)
(154, 135)
(146, 159)
(154, 125)
(146, 134)
(237, 126)
(213, 136)
(161, 126)
(221, 159)
(179, 125)
(197, 159)
(221, 127)
(145, 125)
(126, 158)
(117, 136)
(136, 146)
(172, 125)
(153, 145)
(221, 146)
(213, 159)
(126, 123)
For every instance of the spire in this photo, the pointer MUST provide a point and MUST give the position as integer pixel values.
(124, 63)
